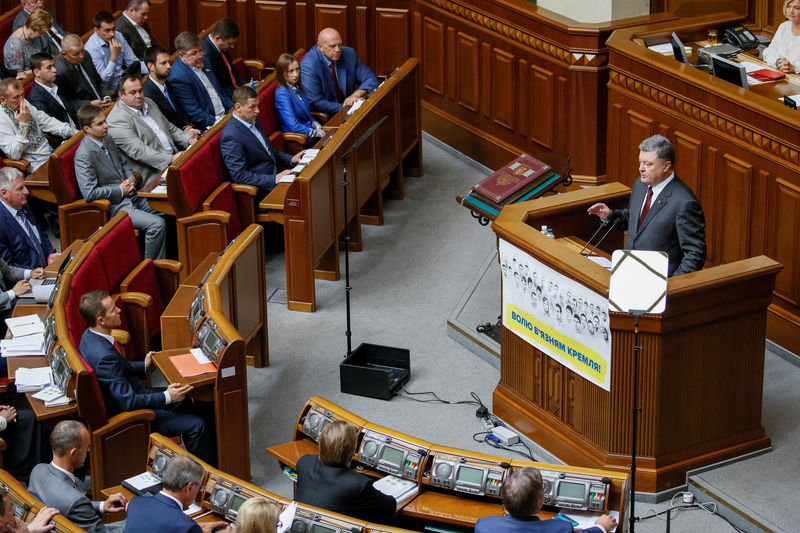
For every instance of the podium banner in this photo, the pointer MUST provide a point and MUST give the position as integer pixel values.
(557, 315)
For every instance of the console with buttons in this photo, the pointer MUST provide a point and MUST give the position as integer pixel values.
(391, 454)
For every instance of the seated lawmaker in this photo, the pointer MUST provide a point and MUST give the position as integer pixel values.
(25, 42)
(327, 481)
(246, 150)
(258, 515)
(111, 53)
(103, 174)
(333, 75)
(50, 42)
(13, 283)
(121, 385)
(523, 496)
(155, 88)
(22, 127)
(9, 522)
(181, 481)
(22, 243)
(54, 482)
(148, 141)
(45, 95)
(217, 49)
(133, 27)
(783, 51)
(77, 78)
(193, 83)
(663, 214)
(291, 101)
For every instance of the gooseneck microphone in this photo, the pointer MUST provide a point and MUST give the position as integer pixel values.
(612, 222)
(610, 219)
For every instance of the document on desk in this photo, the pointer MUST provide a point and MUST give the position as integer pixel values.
(666, 49)
(20, 346)
(398, 488)
(159, 189)
(188, 364)
(586, 519)
(309, 155)
(795, 97)
(32, 379)
(286, 518)
(288, 178)
(25, 325)
(355, 107)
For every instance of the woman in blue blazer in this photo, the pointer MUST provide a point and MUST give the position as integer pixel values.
(292, 103)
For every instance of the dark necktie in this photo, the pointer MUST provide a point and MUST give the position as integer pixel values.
(339, 94)
(166, 94)
(85, 76)
(646, 207)
(33, 235)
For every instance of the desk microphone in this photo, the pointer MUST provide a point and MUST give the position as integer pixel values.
(610, 219)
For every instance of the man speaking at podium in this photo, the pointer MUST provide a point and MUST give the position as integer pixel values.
(663, 214)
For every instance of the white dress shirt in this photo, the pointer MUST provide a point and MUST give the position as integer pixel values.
(219, 109)
(53, 91)
(784, 45)
(163, 138)
(140, 30)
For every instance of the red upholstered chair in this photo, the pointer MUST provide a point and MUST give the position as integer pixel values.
(211, 210)
(77, 218)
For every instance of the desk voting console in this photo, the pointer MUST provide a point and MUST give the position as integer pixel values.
(223, 494)
(455, 486)
(26, 505)
(237, 290)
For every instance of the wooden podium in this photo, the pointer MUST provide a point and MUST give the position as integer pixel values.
(701, 369)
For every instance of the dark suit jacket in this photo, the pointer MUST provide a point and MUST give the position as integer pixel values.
(120, 380)
(186, 87)
(509, 524)
(158, 514)
(44, 101)
(74, 85)
(173, 114)
(341, 490)
(675, 224)
(217, 64)
(245, 157)
(16, 248)
(132, 36)
(318, 83)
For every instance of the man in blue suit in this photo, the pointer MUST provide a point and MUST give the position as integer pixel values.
(163, 513)
(246, 150)
(121, 385)
(333, 75)
(193, 83)
(523, 496)
(22, 243)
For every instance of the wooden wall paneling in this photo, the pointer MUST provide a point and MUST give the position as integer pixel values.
(541, 119)
(208, 12)
(303, 37)
(560, 105)
(636, 128)
(688, 159)
(393, 38)
(359, 41)
(503, 85)
(553, 385)
(783, 237)
(433, 64)
(416, 43)
(522, 97)
(450, 63)
(271, 31)
(467, 81)
(91, 8)
(332, 16)
(733, 213)
(709, 202)
(161, 23)
(487, 82)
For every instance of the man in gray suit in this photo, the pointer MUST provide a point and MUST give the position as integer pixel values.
(102, 173)
(55, 484)
(663, 214)
(149, 141)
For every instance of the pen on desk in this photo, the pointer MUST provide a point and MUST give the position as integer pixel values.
(202, 515)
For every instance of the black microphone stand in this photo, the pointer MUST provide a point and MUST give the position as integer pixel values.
(345, 183)
(636, 410)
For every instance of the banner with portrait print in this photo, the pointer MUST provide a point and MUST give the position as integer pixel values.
(562, 318)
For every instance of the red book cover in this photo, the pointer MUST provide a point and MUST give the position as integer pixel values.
(511, 178)
(766, 74)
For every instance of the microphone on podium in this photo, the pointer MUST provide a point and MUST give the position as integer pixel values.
(611, 219)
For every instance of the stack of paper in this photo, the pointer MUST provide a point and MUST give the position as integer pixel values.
(192, 363)
(159, 189)
(27, 345)
(52, 396)
(308, 155)
(355, 107)
(398, 488)
(32, 379)
(25, 325)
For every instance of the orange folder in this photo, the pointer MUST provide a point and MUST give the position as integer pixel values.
(187, 365)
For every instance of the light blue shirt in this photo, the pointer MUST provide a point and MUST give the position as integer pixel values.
(101, 57)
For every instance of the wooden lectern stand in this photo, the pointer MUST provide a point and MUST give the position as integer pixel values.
(701, 369)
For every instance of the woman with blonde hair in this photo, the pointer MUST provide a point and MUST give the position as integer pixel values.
(257, 515)
(25, 42)
(783, 52)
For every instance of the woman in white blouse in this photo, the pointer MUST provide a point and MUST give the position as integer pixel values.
(784, 50)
